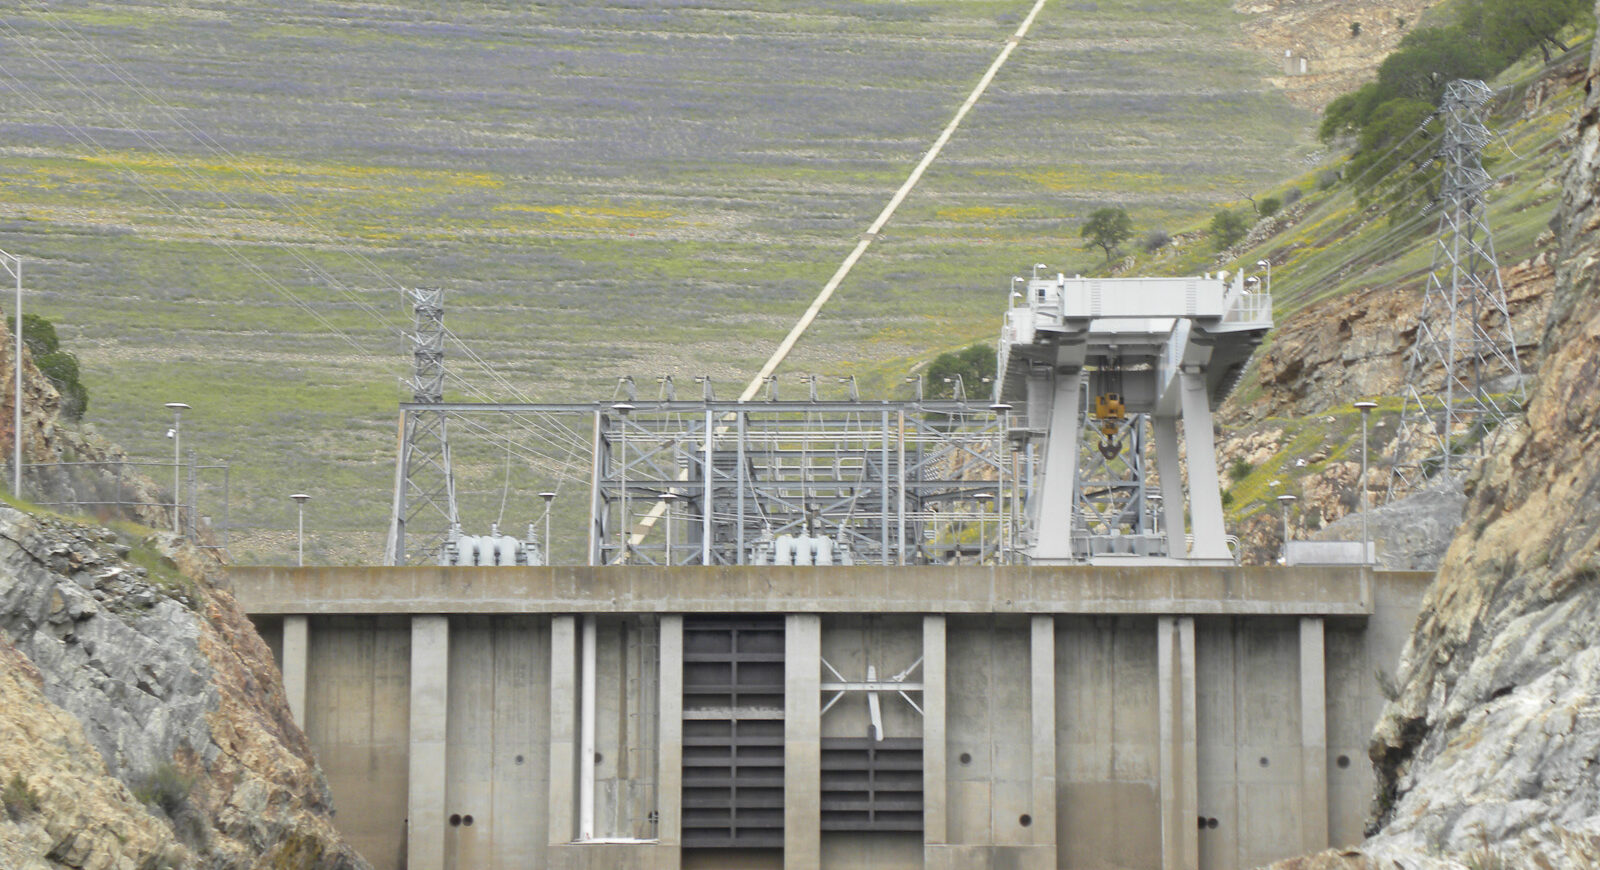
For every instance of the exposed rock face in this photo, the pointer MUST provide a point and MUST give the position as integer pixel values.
(1338, 58)
(1356, 345)
(121, 681)
(1490, 756)
(1496, 734)
(1411, 534)
(83, 818)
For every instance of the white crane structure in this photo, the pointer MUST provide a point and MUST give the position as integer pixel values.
(1102, 364)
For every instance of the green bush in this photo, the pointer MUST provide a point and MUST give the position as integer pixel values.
(167, 787)
(54, 363)
(972, 364)
(1269, 206)
(1240, 470)
(1227, 227)
(19, 799)
(1155, 240)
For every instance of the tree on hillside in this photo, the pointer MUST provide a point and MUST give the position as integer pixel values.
(972, 363)
(1431, 58)
(1378, 165)
(1486, 37)
(1227, 227)
(61, 367)
(1514, 27)
(1106, 228)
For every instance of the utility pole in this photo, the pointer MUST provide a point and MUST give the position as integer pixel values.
(13, 264)
(300, 500)
(1464, 336)
(177, 409)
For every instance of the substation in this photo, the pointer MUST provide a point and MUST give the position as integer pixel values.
(1004, 632)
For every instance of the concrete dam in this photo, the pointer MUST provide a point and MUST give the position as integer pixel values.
(1030, 717)
(1009, 633)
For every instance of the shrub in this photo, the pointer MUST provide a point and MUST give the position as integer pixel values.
(1327, 179)
(19, 799)
(1239, 470)
(167, 788)
(1292, 196)
(972, 364)
(54, 363)
(1155, 240)
(1227, 227)
(1269, 206)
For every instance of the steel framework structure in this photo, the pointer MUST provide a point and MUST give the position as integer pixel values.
(424, 509)
(1464, 328)
(710, 482)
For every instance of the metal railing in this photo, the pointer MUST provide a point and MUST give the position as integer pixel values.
(131, 489)
(1249, 308)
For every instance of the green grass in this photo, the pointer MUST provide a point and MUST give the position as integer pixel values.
(602, 189)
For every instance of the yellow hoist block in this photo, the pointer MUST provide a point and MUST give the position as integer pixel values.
(1110, 411)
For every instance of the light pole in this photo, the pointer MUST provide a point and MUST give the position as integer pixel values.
(300, 500)
(13, 265)
(1155, 512)
(176, 432)
(548, 498)
(1285, 500)
(622, 409)
(1366, 538)
(1266, 264)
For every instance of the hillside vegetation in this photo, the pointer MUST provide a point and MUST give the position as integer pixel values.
(1348, 272)
(220, 201)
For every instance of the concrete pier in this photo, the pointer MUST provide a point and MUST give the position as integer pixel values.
(1040, 718)
(293, 654)
(802, 746)
(430, 672)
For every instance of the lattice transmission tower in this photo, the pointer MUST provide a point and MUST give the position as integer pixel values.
(425, 486)
(1465, 343)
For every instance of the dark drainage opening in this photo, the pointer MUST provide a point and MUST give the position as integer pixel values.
(466, 820)
(1263, 761)
(455, 820)
(1344, 761)
(966, 758)
(1025, 820)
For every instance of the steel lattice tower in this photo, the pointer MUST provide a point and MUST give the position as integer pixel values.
(1464, 330)
(424, 483)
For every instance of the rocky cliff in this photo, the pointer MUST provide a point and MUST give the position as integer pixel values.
(1325, 48)
(143, 723)
(1490, 754)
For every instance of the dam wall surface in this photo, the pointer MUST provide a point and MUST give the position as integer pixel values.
(1027, 717)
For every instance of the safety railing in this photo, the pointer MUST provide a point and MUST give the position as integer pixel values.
(1249, 308)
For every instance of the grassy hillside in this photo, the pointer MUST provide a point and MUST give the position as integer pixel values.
(1332, 249)
(219, 200)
